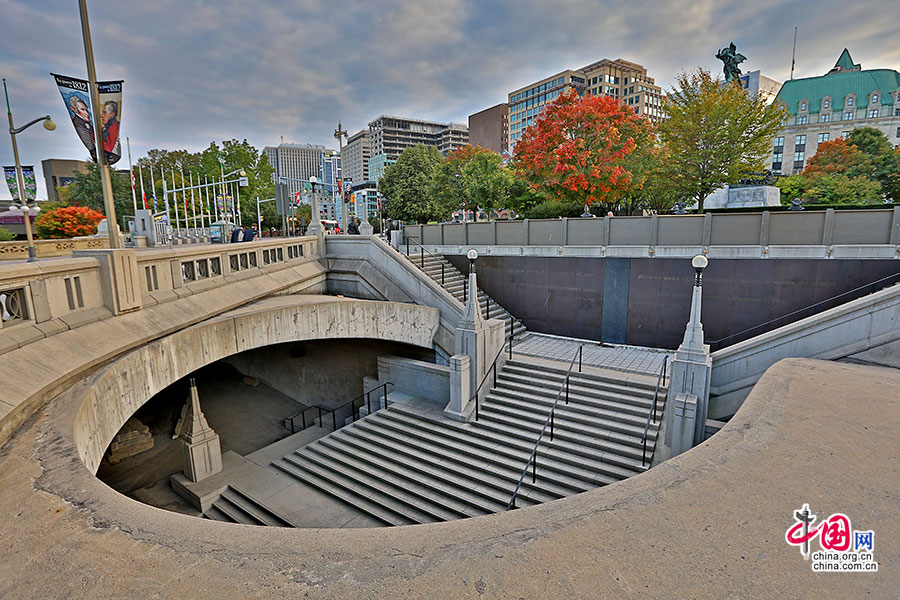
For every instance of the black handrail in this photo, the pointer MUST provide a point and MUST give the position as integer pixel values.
(493, 367)
(717, 344)
(660, 378)
(354, 410)
(532, 459)
(422, 252)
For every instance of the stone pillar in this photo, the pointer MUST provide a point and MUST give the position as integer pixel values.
(119, 278)
(691, 370)
(365, 228)
(684, 420)
(460, 408)
(200, 444)
(315, 224)
(471, 336)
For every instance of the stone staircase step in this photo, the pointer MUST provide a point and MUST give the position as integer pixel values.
(215, 514)
(517, 397)
(256, 509)
(636, 383)
(379, 508)
(497, 473)
(565, 474)
(410, 505)
(534, 376)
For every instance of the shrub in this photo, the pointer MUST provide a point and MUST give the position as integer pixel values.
(67, 222)
(6, 235)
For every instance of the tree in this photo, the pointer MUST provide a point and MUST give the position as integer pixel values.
(405, 186)
(865, 152)
(86, 190)
(829, 188)
(577, 151)
(67, 222)
(470, 178)
(716, 133)
(6, 235)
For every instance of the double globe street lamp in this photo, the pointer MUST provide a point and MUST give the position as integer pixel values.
(23, 203)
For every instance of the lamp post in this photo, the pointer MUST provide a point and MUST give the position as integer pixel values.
(699, 263)
(25, 205)
(340, 134)
(105, 181)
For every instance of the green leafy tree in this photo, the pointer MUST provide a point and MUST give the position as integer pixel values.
(865, 152)
(830, 189)
(470, 178)
(86, 190)
(716, 134)
(6, 235)
(405, 186)
(523, 199)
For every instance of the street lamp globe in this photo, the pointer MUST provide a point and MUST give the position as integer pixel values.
(699, 263)
(313, 179)
(49, 125)
(472, 254)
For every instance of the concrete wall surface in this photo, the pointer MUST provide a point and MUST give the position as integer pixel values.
(709, 523)
(646, 302)
(321, 372)
(867, 329)
(416, 378)
(844, 233)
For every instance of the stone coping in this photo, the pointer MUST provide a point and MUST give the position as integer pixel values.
(709, 523)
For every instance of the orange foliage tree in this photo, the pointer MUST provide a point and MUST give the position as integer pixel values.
(837, 157)
(67, 222)
(584, 150)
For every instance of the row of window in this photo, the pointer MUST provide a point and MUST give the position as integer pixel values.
(848, 101)
(538, 89)
(848, 115)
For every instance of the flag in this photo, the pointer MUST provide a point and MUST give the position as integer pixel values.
(76, 95)
(13, 183)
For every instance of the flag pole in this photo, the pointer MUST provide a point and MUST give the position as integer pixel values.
(143, 194)
(794, 54)
(175, 204)
(131, 173)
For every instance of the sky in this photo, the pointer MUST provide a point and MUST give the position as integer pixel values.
(203, 70)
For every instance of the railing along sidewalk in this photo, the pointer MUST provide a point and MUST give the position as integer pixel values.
(493, 368)
(422, 253)
(365, 398)
(532, 459)
(660, 378)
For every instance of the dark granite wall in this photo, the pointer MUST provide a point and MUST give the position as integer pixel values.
(646, 302)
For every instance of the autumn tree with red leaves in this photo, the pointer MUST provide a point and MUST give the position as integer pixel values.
(584, 150)
(67, 222)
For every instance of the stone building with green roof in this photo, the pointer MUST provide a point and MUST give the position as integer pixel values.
(829, 106)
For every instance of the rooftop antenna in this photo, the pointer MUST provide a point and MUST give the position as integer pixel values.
(794, 54)
(282, 137)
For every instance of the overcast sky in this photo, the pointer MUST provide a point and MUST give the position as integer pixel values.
(202, 70)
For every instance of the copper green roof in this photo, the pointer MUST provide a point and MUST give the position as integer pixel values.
(838, 86)
(846, 63)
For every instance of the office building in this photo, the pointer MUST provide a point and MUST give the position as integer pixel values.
(757, 83)
(390, 136)
(330, 197)
(489, 128)
(620, 79)
(830, 106)
(59, 173)
(364, 201)
(295, 162)
(356, 155)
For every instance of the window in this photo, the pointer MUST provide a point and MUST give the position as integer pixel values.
(823, 137)
(779, 141)
(826, 103)
(776, 166)
(800, 155)
(848, 116)
(844, 134)
(874, 99)
(850, 101)
(802, 120)
(873, 113)
(803, 106)
(826, 118)
(800, 141)
(777, 157)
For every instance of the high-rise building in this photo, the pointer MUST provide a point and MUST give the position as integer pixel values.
(330, 198)
(830, 106)
(390, 136)
(297, 162)
(489, 128)
(60, 173)
(355, 159)
(620, 79)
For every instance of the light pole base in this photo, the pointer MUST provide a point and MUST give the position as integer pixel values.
(32, 254)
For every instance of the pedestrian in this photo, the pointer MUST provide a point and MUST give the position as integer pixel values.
(352, 227)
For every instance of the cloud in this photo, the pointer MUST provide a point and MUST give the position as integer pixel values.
(198, 70)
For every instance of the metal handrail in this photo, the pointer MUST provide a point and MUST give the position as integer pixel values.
(532, 459)
(493, 367)
(660, 378)
(717, 344)
(422, 252)
(325, 410)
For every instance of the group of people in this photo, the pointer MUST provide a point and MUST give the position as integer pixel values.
(243, 234)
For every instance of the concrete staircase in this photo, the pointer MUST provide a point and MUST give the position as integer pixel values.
(408, 464)
(234, 506)
(455, 283)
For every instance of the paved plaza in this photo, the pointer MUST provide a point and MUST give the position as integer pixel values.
(631, 359)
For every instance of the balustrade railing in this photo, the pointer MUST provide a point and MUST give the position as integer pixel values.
(318, 413)
(660, 379)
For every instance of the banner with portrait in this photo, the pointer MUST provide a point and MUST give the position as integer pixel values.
(76, 96)
(13, 183)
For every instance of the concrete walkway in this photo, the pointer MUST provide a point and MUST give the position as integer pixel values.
(631, 359)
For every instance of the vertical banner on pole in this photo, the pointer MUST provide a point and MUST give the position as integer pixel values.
(76, 95)
(12, 182)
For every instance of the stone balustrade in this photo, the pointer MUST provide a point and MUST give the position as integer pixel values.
(48, 248)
